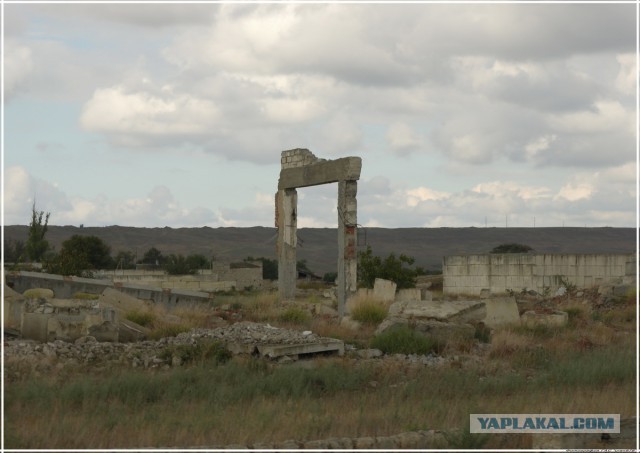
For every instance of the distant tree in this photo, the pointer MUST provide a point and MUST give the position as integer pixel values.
(153, 257)
(330, 277)
(81, 255)
(302, 266)
(178, 265)
(14, 251)
(97, 252)
(125, 260)
(511, 248)
(37, 245)
(269, 267)
(68, 262)
(198, 261)
(391, 268)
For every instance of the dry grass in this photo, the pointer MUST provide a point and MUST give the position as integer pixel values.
(368, 310)
(586, 367)
(251, 401)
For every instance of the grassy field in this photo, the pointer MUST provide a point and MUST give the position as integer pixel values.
(586, 367)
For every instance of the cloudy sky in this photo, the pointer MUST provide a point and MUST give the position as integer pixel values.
(463, 114)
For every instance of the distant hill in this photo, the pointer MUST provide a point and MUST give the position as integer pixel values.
(319, 245)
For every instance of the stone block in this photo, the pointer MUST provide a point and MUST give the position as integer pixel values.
(385, 290)
(386, 443)
(349, 323)
(315, 445)
(396, 308)
(425, 294)
(450, 311)
(532, 319)
(407, 441)
(444, 332)
(501, 311)
(364, 443)
(408, 294)
(34, 326)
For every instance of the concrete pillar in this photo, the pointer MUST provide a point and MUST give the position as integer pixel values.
(347, 242)
(287, 223)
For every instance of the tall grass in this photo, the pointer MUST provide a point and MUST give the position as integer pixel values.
(247, 401)
(369, 311)
(404, 340)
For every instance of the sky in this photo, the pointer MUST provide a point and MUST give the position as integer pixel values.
(464, 115)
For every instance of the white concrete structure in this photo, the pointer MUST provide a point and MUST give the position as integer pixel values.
(470, 274)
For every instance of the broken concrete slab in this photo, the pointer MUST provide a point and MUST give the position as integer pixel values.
(122, 303)
(438, 330)
(385, 290)
(501, 311)
(278, 350)
(409, 294)
(449, 311)
(556, 318)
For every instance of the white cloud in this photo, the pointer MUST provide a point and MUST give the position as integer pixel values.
(402, 138)
(575, 192)
(21, 190)
(158, 207)
(414, 196)
(548, 89)
(18, 65)
(627, 78)
(114, 110)
(605, 116)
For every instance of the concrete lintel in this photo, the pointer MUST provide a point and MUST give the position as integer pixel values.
(323, 172)
(278, 350)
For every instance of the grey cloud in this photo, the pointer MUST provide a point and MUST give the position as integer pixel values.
(148, 16)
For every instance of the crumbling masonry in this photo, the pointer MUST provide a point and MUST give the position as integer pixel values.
(300, 168)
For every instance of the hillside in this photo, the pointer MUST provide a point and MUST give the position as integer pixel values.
(319, 245)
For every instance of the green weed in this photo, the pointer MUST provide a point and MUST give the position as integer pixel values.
(295, 315)
(142, 318)
(403, 340)
(369, 312)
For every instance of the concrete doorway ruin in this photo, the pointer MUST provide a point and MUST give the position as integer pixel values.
(301, 168)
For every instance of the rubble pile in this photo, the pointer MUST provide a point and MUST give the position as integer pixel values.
(31, 356)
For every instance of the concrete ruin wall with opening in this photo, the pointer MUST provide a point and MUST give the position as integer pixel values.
(301, 168)
(469, 274)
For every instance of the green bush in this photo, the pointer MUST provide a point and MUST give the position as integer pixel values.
(391, 268)
(169, 330)
(194, 353)
(482, 333)
(404, 340)
(141, 318)
(294, 315)
(369, 312)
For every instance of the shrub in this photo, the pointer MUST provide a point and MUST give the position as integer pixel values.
(404, 340)
(168, 330)
(482, 333)
(200, 352)
(369, 311)
(142, 318)
(511, 248)
(294, 315)
(391, 268)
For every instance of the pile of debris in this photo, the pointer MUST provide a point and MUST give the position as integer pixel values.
(25, 356)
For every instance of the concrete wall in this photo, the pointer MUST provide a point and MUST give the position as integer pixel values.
(65, 287)
(221, 277)
(469, 274)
